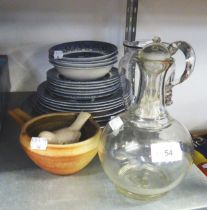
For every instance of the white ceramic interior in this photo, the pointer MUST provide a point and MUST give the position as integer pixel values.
(83, 65)
(83, 74)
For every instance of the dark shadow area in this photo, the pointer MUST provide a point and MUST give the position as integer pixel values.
(12, 156)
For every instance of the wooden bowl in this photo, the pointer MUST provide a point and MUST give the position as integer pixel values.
(61, 159)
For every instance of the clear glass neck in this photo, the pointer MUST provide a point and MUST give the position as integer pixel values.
(150, 109)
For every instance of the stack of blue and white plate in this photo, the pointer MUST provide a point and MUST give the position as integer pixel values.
(83, 60)
(83, 79)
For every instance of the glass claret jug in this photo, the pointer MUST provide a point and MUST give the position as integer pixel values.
(144, 151)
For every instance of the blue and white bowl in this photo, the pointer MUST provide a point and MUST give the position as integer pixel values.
(83, 60)
(83, 51)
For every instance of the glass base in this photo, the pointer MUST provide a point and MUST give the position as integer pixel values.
(139, 196)
(146, 178)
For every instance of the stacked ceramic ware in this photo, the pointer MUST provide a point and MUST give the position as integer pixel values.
(83, 79)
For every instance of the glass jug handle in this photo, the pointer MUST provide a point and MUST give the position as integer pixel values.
(128, 71)
(189, 59)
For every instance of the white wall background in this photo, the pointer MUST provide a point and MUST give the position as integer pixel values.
(29, 28)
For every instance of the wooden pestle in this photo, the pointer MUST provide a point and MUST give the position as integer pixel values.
(69, 134)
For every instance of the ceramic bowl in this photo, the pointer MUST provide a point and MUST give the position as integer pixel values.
(83, 65)
(83, 74)
(80, 51)
(61, 159)
(109, 79)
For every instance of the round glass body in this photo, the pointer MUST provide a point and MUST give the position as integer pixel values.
(142, 163)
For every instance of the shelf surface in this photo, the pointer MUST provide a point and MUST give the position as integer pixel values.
(24, 186)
